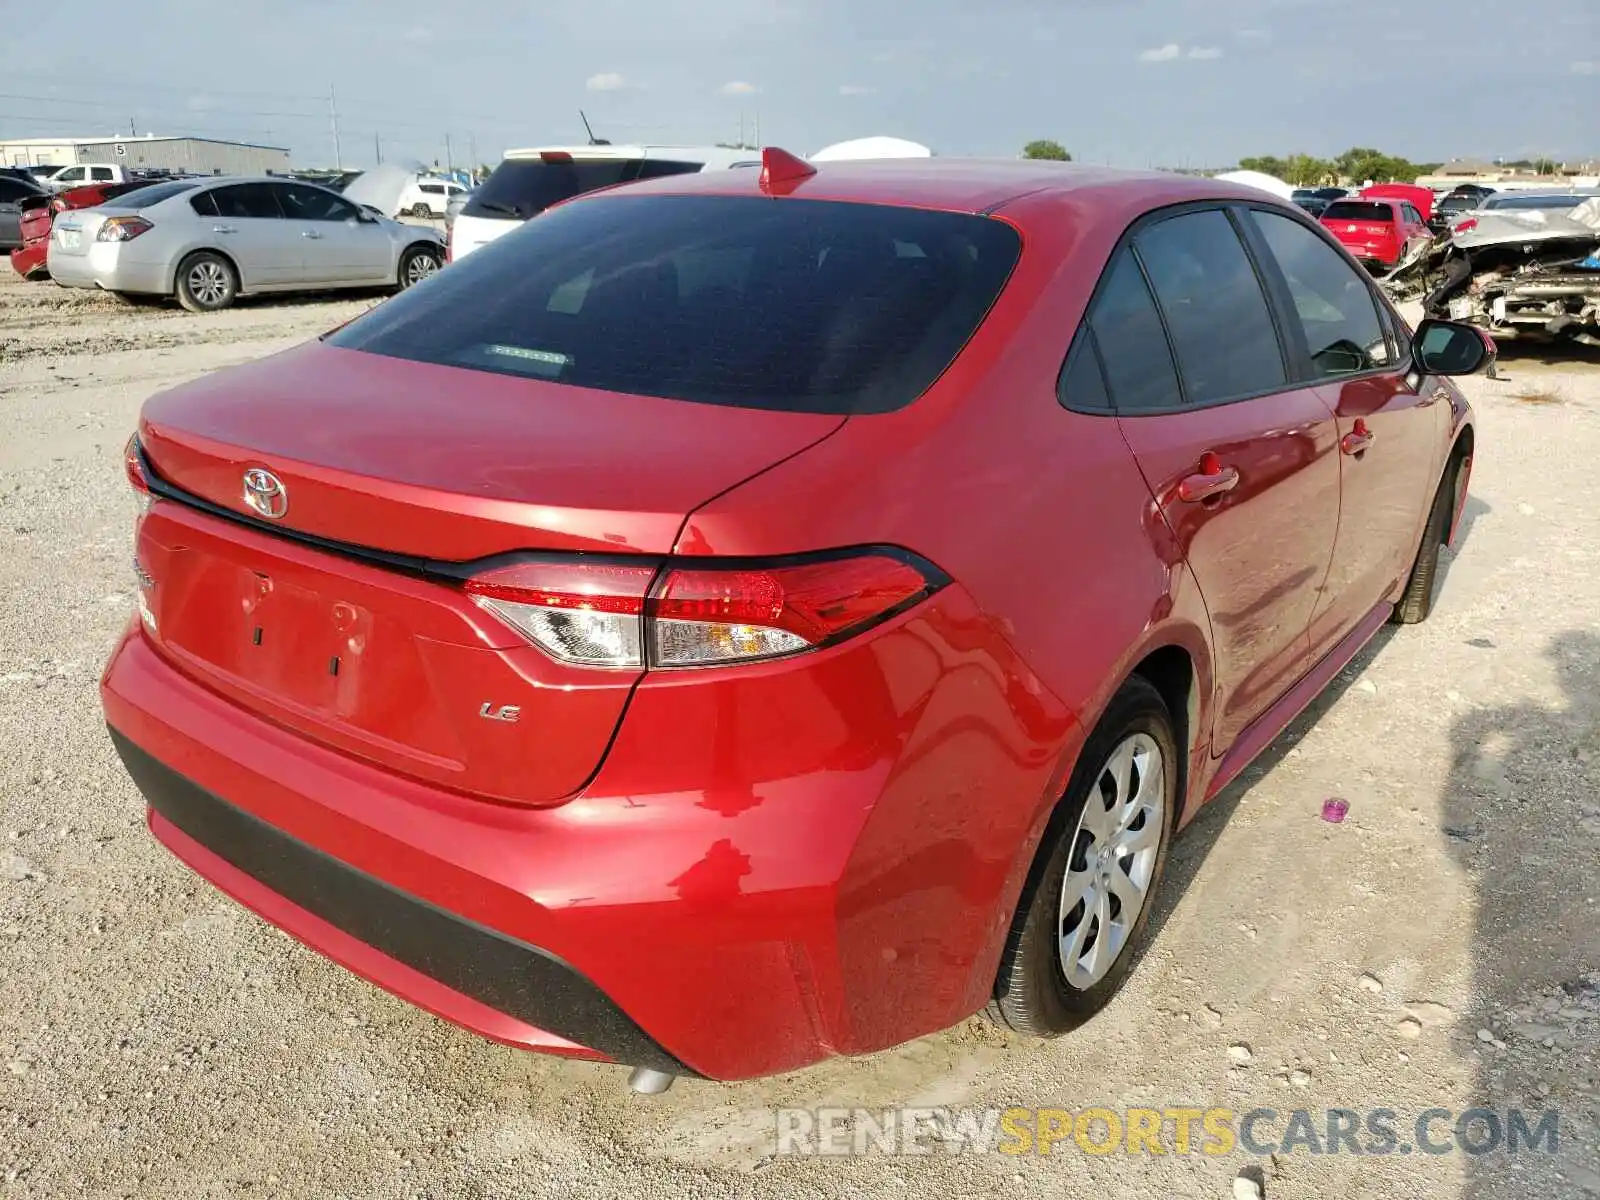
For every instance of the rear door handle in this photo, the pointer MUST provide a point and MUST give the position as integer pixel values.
(1358, 441)
(223, 229)
(1213, 479)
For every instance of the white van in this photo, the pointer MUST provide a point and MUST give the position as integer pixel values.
(426, 196)
(529, 181)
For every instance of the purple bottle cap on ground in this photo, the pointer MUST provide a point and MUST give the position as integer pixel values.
(1334, 810)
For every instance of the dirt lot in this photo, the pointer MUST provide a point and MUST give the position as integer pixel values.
(1440, 948)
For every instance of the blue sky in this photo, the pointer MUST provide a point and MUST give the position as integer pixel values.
(1134, 82)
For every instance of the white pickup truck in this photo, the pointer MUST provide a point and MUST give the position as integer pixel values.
(82, 173)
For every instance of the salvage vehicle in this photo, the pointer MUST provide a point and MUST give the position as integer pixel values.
(209, 242)
(1380, 233)
(1529, 274)
(529, 181)
(14, 194)
(39, 213)
(754, 616)
(1420, 198)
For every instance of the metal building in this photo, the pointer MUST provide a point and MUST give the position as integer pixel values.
(204, 156)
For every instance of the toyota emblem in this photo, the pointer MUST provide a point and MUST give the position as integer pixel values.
(264, 492)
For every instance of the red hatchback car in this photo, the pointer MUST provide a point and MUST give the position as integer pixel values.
(1379, 231)
(740, 619)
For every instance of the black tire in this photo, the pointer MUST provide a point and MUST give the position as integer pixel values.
(1417, 600)
(206, 282)
(421, 210)
(410, 273)
(1032, 993)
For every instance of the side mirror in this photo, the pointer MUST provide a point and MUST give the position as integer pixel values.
(1452, 348)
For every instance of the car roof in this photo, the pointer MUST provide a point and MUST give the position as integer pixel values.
(717, 155)
(966, 184)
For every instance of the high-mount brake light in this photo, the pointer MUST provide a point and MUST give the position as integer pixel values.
(555, 156)
(609, 615)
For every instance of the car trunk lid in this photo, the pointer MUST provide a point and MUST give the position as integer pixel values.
(342, 619)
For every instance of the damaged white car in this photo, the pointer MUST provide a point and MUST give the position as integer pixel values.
(1519, 274)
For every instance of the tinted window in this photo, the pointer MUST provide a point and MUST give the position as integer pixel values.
(144, 197)
(1217, 316)
(12, 190)
(1331, 300)
(655, 168)
(102, 173)
(1083, 385)
(205, 204)
(524, 187)
(1358, 210)
(302, 203)
(247, 200)
(1412, 214)
(431, 189)
(1550, 202)
(808, 307)
(1133, 346)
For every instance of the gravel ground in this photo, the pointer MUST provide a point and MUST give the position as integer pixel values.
(1440, 948)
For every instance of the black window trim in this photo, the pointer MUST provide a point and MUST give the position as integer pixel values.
(1400, 367)
(1294, 354)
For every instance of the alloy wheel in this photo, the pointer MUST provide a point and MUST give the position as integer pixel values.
(208, 283)
(419, 267)
(1112, 860)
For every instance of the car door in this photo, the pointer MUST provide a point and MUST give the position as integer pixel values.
(250, 228)
(1391, 424)
(336, 245)
(1416, 234)
(12, 192)
(1240, 459)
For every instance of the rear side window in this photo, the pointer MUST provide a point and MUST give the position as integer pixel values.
(1216, 313)
(205, 204)
(304, 203)
(1133, 346)
(102, 174)
(1331, 301)
(797, 306)
(524, 187)
(1358, 210)
(656, 168)
(257, 200)
(1083, 385)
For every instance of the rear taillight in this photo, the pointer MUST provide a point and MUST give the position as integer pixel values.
(122, 229)
(133, 464)
(1463, 226)
(611, 615)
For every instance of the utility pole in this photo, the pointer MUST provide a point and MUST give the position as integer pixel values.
(132, 132)
(377, 148)
(333, 118)
(449, 159)
(758, 129)
(472, 154)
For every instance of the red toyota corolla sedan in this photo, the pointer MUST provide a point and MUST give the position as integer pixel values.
(746, 618)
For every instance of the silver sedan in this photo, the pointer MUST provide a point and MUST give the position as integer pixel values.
(208, 241)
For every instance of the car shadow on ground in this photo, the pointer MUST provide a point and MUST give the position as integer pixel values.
(1522, 821)
(1194, 844)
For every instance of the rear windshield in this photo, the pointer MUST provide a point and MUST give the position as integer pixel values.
(1357, 210)
(151, 193)
(520, 188)
(790, 305)
(1535, 201)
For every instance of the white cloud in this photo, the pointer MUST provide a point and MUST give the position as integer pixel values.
(1171, 52)
(606, 81)
(856, 89)
(1586, 68)
(738, 87)
(418, 34)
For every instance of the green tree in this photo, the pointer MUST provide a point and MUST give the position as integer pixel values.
(1267, 164)
(1546, 166)
(1046, 149)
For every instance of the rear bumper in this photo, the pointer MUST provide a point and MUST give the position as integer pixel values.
(797, 862)
(30, 260)
(106, 265)
(298, 886)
